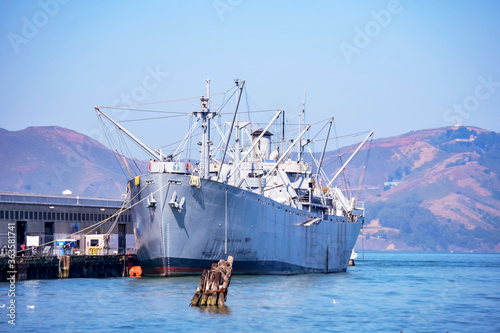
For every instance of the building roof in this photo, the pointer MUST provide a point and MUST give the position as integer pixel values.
(52, 199)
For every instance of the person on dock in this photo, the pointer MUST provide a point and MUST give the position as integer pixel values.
(66, 249)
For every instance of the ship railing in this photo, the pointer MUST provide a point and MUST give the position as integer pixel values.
(304, 196)
(359, 209)
(359, 205)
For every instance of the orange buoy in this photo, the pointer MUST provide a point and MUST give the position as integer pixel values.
(135, 271)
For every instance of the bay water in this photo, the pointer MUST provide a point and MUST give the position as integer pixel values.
(384, 292)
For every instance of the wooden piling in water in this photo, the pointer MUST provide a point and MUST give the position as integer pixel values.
(64, 262)
(212, 289)
(22, 270)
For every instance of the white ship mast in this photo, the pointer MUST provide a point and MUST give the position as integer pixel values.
(205, 115)
(302, 121)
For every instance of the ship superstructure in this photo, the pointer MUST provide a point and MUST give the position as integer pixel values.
(252, 202)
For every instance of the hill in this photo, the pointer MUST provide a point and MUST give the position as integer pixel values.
(436, 189)
(52, 159)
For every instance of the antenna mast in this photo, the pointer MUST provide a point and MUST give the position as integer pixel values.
(205, 115)
(302, 120)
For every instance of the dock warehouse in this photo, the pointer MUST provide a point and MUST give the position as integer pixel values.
(52, 224)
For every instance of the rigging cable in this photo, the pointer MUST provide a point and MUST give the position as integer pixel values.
(152, 118)
(170, 101)
(189, 140)
(362, 178)
(143, 110)
(109, 139)
(247, 102)
(134, 160)
(344, 177)
(125, 151)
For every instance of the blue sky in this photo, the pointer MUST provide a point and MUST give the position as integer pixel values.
(391, 66)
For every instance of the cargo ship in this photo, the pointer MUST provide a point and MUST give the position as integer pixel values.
(264, 207)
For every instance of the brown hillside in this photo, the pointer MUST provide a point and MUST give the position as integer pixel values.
(52, 159)
(436, 189)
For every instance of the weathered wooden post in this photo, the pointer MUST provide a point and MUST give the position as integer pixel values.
(212, 289)
(64, 263)
(197, 294)
(22, 270)
(226, 279)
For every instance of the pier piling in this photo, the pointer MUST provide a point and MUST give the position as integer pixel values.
(212, 289)
(64, 262)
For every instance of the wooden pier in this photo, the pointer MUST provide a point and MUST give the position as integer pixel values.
(76, 266)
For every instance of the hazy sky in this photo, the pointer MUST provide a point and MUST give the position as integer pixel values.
(392, 66)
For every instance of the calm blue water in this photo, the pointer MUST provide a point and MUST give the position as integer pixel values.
(387, 292)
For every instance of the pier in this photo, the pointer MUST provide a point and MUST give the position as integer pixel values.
(66, 266)
(64, 236)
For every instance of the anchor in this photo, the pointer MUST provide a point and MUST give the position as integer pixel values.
(173, 202)
(151, 201)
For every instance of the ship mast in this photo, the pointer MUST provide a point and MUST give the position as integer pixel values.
(235, 119)
(205, 115)
(237, 139)
(324, 149)
(302, 120)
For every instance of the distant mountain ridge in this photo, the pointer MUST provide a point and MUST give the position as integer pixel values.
(434, 189)
(52, 159)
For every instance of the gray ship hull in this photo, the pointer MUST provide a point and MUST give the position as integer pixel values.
(217, 220)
